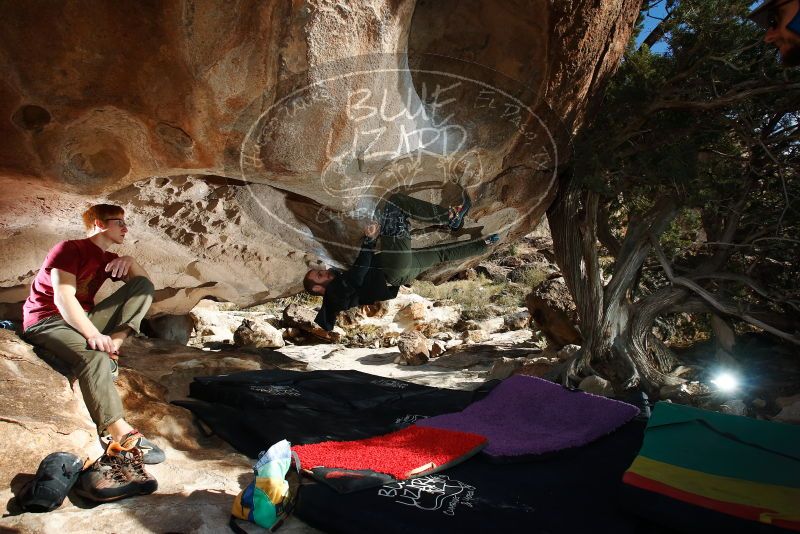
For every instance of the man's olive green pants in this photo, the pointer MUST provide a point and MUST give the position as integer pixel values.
(126, 307)
(402, 264)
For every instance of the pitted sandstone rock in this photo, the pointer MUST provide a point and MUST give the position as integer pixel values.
(242, 153)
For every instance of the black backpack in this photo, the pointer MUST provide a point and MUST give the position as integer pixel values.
(56, 475)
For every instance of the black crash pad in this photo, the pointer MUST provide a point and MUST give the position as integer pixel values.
(576, 491)
(254, 409)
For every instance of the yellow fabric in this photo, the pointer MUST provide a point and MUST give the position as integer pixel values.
(237, 510)
(783, 502)
(275, 488)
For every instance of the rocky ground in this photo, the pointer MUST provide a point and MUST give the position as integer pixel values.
(454, 335)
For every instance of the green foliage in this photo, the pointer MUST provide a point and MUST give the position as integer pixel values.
(712, 122)
(471, 295)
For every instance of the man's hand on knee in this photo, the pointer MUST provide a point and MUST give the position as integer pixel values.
(103, 343)
(119, 267)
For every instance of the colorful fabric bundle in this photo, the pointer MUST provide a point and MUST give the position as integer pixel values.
(403, 454)
(742, 467)
(526, 416)
(269, 498)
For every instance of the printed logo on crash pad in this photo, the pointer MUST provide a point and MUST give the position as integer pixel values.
(390, 383)
(409, 419)
(278, 391)
(431, 492)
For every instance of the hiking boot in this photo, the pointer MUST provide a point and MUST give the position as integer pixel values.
(114, 476)
(151, 453)
(134, 467)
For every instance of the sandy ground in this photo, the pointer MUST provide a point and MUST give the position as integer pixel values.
(463, 367)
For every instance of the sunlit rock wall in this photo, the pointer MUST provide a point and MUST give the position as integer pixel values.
(248, 139)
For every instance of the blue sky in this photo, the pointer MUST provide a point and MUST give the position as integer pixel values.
(654, 16)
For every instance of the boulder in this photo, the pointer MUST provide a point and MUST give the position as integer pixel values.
(538, 366)
(223, 213)
(296, 316)
(504, 367)
(734, 407)
(553, 311)
(258, 334)
(213, 324)
(475, 336)
(40, 412)
(493, 272)
(596, 385)
(789, 414)
(413, 348)
(172, 327)
(517, 320)
(684, 393)
(783, 402)
(489, 326)
(415, 312)
(437, 348)
(567, 352)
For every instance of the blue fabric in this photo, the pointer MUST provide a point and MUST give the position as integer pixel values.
(794, 24)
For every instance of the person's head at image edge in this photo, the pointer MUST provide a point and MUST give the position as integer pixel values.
(781, 19)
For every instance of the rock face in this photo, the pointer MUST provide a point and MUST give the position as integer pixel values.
(247, 140)
(39, 405)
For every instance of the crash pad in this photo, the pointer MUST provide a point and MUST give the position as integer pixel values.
(525, 416)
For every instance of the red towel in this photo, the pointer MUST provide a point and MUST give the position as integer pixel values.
(409, 452)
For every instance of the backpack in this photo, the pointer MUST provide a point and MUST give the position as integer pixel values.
(56, 475)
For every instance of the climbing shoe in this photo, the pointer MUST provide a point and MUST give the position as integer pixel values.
(115, 475)
(56, 475)
(151, 453)
(458, 214)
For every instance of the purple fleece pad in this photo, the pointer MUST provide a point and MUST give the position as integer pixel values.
(525, 415)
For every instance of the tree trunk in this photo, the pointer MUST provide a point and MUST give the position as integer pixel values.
(650, 358)
(617, 333)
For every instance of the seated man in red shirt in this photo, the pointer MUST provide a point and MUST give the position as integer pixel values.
(61, 317)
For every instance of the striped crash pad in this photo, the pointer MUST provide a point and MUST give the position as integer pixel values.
(734, 465)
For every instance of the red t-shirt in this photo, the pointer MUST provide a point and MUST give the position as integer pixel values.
(82, 258)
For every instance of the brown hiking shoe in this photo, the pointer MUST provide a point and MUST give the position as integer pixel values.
(134, 467)
(115, 475)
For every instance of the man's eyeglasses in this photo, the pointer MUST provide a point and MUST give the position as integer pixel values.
(120, 222)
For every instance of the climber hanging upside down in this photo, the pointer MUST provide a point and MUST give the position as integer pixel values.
(376, 277)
